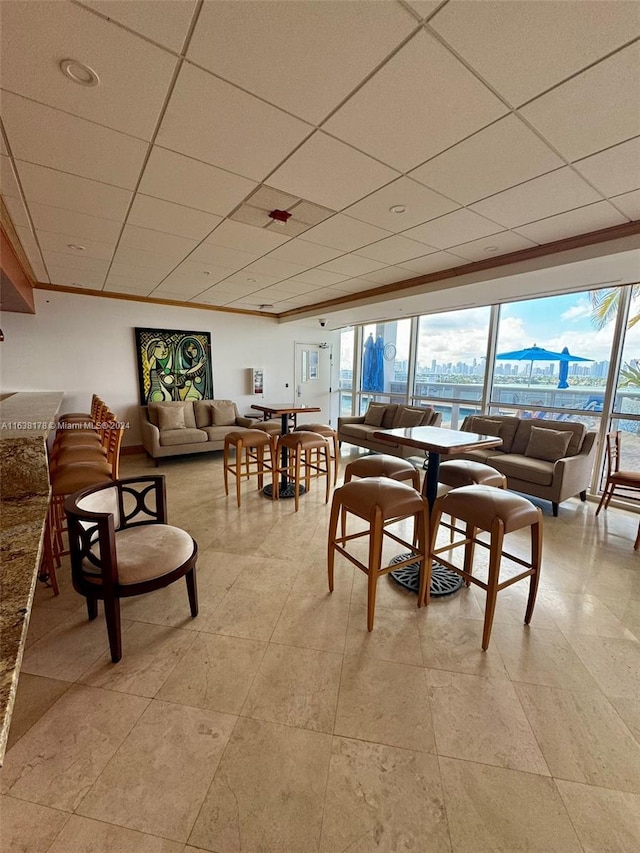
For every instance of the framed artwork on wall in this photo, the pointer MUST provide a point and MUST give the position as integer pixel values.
(173, 365)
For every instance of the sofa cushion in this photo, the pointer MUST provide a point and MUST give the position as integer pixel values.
(389, 416)
(524, 468)
(171, 437)
(409, 417)
(170, 418)
(549, 444)
(523, 434)
(218, 433)
(428, 416)
(374, 414)
(223, 414)
(508, 427)
(187, 406)
(486, 426)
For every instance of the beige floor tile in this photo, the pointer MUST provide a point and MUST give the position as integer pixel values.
(264, 574)
(606, 821)
(504, 811)
(629, 710)
(582, 614)
(455, 645)
(149, 653)
(68, 599)
(27, 828)
(312, 579)
(216, 673)
(62, 755)
(384, 702)
(542, 656)
(394, 637)
(45, 619)
(82, 834)
(267, 793)
(481, 719)
(313, 622)
(511, 605)
(389, 594)
(383, 798)
(34, 697)
(217, 570)
(296, 687)
(582, 737)
(170, 606)
(245, 613)
(70, 649)
(614, 663)
(627, 609)
(157, 780)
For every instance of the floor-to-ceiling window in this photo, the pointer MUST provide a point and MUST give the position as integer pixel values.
(347, 367)
(385, 362)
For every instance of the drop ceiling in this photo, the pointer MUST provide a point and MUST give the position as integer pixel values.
(405, 138)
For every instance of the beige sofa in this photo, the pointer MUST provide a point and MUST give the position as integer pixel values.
(360, 430)
(552, 460)
(199, 426)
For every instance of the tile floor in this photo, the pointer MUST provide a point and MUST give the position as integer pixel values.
(274, 723)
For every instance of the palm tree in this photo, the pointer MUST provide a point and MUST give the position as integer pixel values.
(604, 307)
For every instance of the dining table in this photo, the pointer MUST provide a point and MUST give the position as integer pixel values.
(436, 442)
(284, 410)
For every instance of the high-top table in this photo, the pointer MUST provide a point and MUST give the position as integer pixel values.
(437, 442)
(285, 410)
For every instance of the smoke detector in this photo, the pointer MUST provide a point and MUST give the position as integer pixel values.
(280, 215)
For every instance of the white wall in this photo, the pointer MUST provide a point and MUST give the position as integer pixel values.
(84, 344)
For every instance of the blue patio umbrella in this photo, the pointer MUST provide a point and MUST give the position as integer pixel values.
(536, 353)
(563, 371)
(373, 364)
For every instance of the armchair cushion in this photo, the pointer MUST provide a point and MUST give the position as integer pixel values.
(146, 552)
(549, 444)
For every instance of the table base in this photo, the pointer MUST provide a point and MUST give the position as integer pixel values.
(443, 580)
(288, 491)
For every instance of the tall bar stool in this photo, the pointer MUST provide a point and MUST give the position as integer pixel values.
(498, 512)
(299, 445)
(248, 460)
(455, 473)
(332, 437)
(379, 465)
(380, 501)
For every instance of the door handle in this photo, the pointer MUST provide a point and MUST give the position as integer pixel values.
(299, 390)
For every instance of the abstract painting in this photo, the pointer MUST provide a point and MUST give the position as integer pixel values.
(173, 365)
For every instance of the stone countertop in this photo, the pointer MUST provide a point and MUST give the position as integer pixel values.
(26, 418)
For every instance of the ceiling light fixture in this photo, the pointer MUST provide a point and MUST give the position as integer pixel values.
(280, 216)
(251, 279)
(397, 208)
(490, 250)
(206, 272)
(265, 307)
(76, 247)
(79, 72)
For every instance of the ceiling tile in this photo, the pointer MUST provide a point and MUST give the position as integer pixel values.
(432, 263)
(163, 245)
(71, 277)
(236, 235)
(284, 51)
(343, 232)
(424, 7)
(310, 213)
(55, 242)
(17, 211)
(222, 256)
(28, 243)
(461, 226)
(388, 275)
(277, 269)
(268, 198)
(76, 261)
(134, 75)
(594, 110)
(81, 225)
(140, 258)
(299, 251)
(195, 273)
(330, 173)
(629, 203)
(174, 177)
(171, 218)
(179, 290)
(135, 272)
(355, 285)
(249, 281)
(249, 215)
(614, 171)
(168, 28)
(319, 278)
(590, 218)
(71, 144)
(471, 170)
(59, 189)
(127, 284)
(524, 48)
(492, 247)
(352, 265)
(403, 115)
(8, 184)
(393, 250)
(259, 137)
(544, 196)
(421, 205)
(3, 147)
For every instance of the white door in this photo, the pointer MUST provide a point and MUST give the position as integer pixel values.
(313, 380)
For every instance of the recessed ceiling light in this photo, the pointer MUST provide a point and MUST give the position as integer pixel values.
(251, 279)
(397, 208)
(79, 72)
(265, 307)
(76, 247)
(491, 249)
(206, 272)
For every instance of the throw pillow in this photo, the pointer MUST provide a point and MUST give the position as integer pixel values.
(374, 414)
(548, 444)
(223, 415)
(486, 426)
(410, 418)
(171, 417)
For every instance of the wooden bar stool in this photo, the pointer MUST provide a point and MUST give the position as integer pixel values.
(455, 473)
(299, 445)
(249, 461)
(380, 501)
(498, 512)
(332, 437)
(379, 465)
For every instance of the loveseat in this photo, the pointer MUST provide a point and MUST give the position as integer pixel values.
(552, 460)
(360, 430)
(198, 426)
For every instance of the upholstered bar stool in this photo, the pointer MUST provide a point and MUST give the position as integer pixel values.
(455, 473)
(248, 460)
(300, 445)
(379, 465)
(332, 437)
(497, 511)
(380, 501)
